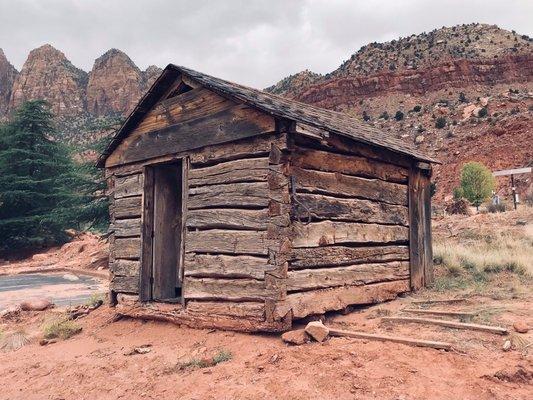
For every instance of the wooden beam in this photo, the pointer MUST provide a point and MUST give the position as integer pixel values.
(145, 288)
(228, 218)
(395, 339)
(328, 232)
(228, 125)
(448, 324)
(226, 266)
(332, 256)
(320, 301)
(227, 242)
(245, 170)
(327, 207)
(236, 195)
(338, 184)
(459, 314)
(360, 274)
(438, 301)
(329, 161)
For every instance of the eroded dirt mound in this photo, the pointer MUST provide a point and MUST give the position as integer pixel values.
(86, 251)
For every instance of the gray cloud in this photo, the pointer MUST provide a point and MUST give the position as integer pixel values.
(252, 42)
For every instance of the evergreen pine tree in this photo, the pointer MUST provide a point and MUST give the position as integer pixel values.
(42, 191)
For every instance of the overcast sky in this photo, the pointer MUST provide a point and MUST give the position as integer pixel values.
(251, 42)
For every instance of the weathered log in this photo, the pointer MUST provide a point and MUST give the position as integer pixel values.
(328, 232)
(222, 266)
(449, 324)
(127, 207)
(234, 195)
(245, 170)
(126, 227)
(247, 310)
(174, 313)
(122, 267)
(227, 242)
(329, 161)
(327, 207)
(126, 248)
(226, 218)
(187, 106)
(321, 257)
(256, 146)
(438, 301)
(130, 185)
(228, 289)
(227, 125)
(395, 339)
(460, 314)
(310, 279)
(323, 300)
(125, 284)
(338, 184)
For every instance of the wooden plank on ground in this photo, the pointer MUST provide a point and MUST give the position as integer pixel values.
(254, 194)
(227, 242)
(438, 301)
(323, 300)
(338, 184)
(245, 170)
(328, 232)
(227, 218)
(329, 161)
(449, 324)
(309, 279)
(228, 289)
(395, 339)
(459, 314)
(359, 210)
(331, 256)
(224, 266)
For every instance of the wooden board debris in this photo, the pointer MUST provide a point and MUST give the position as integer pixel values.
(449, 324)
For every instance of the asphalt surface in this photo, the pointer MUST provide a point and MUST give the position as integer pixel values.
(62, 289)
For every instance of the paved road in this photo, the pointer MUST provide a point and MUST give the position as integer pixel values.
(63, 289)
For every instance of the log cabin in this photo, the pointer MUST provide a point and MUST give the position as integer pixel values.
(237, 209)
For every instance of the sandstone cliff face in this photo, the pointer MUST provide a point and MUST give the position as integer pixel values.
(115, 84)
(8, 73)
(48, 75)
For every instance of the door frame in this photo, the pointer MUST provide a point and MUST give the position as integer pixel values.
(147, 227)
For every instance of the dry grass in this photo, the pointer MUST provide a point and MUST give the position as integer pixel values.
(14, 341)
(196, 363)
(60, 328)
(478, 261)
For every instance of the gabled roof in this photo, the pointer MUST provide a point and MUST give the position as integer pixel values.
(269, 103)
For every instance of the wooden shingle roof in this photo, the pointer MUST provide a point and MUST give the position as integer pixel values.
(269, 103)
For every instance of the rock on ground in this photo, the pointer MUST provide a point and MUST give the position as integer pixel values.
(36, 305)
(520, 327)
(297, 336)
(317, 330)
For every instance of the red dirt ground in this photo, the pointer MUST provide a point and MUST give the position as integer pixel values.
(93, 364)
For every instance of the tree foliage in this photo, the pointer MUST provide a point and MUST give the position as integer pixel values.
(477, 182)
(42, 190)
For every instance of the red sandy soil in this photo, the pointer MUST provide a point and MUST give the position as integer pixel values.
(86, 252)
(93, 364)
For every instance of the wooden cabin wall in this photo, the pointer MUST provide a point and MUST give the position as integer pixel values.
(232, 237)
(350, 229)
(125, 194)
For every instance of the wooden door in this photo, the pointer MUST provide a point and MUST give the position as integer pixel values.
(166, 233)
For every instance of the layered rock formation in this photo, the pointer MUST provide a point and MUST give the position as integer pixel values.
(48, 75)
(115, 84)
(8, 73)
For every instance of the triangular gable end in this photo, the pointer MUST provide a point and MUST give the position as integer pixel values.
(185, 116)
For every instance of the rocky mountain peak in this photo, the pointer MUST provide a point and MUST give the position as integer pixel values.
(115, 84)
(292, 84)
(150, 74)
(47, 74)
(8, 73)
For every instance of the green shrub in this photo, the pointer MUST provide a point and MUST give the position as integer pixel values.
(477, 182)
(483, 112)
(398, 116)
(440, 123)
(384, 115)
(417, 108)
(60, 328)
